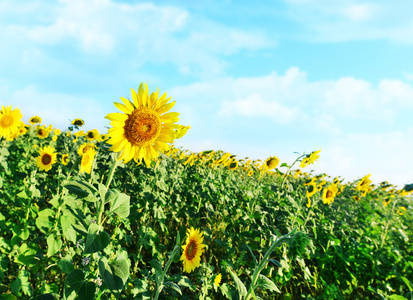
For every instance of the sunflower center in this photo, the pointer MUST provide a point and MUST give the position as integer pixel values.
(142, 127)
(90, 135)
(6, 121)
(46, 159)
(190, 250)
(329, 194)
(310, 188)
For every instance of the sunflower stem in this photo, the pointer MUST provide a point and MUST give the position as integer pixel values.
(289, 168)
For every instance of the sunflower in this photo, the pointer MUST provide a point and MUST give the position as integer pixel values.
(84, 148)
(217, 280)
(193, 249)
(310, 159)
(46, 158)
(78, 122)
(181, 131)
(364, 183)
(233, 165)
(10, 121)
(22, 130)
(329, 194)
(87, 161)
(250, 172)
(42, 132)
(386, 201)
(272, 162)
(65, 159)
(34, 120)
(311, 189)
(144, 129)
(92, 135)
(308, 203)
(401, 210)
(297, 173)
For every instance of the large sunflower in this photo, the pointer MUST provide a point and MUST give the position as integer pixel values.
(10, 121)
(143, 129)
(329, 194)
(193, 249)
(46, 158)
(272, 162)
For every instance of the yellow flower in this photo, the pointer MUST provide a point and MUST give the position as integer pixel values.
(190, 160)
(310, 159)
(46, 158)
(217, 280)
(364, 183)
(297, 173)
(22, 130)
(250, 172)
(92, 135)
(10, 121)
(386, 202)
(65, 159)
(272, 162)
(356, 198)
(78, 122)
(233, 165)
(311, 189)
(144, 129)
(57, 131)
(401, 210)
(42, 132)
(34, 120)
(193, 249)
(308, 203)
(84, 148)
(54, 138)
(181, 131)
(329, 194)
(87, 161)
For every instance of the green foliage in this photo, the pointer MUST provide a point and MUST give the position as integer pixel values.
(71, 235)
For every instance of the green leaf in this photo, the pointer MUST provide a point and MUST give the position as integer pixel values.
(95, 240)
(226, 291)
(69, 232)
(158, 270)
(22, 283)
(54, 244)
(120, 204)
(27, 256)
(102, 191)
(114, 274)
(407, 282)
(242, 290)
(253, 256)
(265, 283)
(174, 286)
(44, 219)
(397, 297)
(82, 189)
(66, 264)
(76, 285)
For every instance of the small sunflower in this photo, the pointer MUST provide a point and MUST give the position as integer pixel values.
(311, 189)
(143, 129)
(42, 132)
(329, 194)
(34, 120)
(386, 202)
(87, 161)
(92, 135)
(401, 210)
(297, 173)
(364, 183)
(310, 159)
(10, 121)
(22, 130)
(46, 158)
(233, 165)
(250, 172)
(181, 131)
(84, 148)
(217, 280)
(193, 249)
(65, 159)
(272, 162)
(78, 122)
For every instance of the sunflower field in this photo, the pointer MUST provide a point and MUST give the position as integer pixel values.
(126, 215)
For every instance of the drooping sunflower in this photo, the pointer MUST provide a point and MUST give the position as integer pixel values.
(217, 280)
(34, 120)
(329, 194)
(193, 249)
(92, 135)
(401, 210)
(10, 121)
(310, 159)
(65, 159)
(364, 183)
(78, 122)
(87, 161)
(47, 157)
(143, 129)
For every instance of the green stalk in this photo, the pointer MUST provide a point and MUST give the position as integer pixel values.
(289, 168)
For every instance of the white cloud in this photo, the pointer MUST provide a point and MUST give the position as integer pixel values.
(337, 21)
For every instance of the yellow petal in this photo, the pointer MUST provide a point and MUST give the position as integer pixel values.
(116, 117)
(123, 108)
(166, 107)
(127, 103)
(135, 98)
(119, 146)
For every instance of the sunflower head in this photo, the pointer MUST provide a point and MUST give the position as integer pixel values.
(92, 135)
(329, 194)
(192, 250)
(84, 148)
(42, 132)
(65, 159)
(217, 280)
(401, 210)
(78, 122)
(311, 189)
(34, 120)
(87, 161)
(142, 129)
(10, 121)
(272, 162)
(46, 158)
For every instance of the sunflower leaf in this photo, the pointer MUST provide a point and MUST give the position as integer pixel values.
(174, 286)
(96, 241)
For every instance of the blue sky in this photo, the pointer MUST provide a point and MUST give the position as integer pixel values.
(254, 78)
